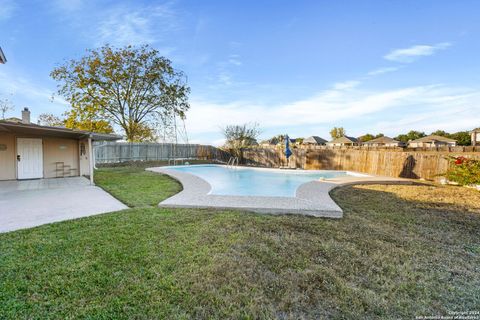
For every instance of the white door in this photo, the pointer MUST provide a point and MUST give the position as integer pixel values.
(29, 158)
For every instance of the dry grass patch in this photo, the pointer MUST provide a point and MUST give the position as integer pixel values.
(433, 196)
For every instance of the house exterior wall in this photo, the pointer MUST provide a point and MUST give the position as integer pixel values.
(8, 166)
(386, 145)
(430, 144)
(476, 138)
(54, 150)
(60, 150)
(339, 144)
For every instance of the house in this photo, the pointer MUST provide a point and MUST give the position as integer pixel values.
(2, 57)
(343, 141)
(384, 142)
(315, 140)
(270, 142)
(432, 141)
(31, 151)
(476, 137)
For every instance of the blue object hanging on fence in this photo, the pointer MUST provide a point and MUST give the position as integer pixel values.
(288, 152)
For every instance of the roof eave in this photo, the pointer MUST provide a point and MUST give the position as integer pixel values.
(2, 57)
(71, 133)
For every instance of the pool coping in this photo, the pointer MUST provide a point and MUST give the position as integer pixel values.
(311, 198)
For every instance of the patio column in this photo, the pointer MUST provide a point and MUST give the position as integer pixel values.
(90, 159)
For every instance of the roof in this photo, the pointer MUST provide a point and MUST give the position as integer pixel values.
(315, 139)
(344, 139)
(476, 130)
(14, 119)
(31, 128)
(2, 56)
(271, 141)
(432, 138)
(384, 140)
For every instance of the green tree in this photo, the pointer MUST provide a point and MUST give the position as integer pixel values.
(411, 135)
(441, 133)
(366, 137)
(84, 118)
(131, 87)
(336, 133)
(464, 138)
(369, 136)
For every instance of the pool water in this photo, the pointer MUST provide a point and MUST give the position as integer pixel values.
(241, 181)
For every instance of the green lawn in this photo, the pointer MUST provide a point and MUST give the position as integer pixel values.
(136, 187)
(399, 252)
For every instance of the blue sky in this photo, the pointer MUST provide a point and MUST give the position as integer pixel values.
(296, 67)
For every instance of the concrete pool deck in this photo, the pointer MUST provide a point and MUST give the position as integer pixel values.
(30, 203)
(311, 198)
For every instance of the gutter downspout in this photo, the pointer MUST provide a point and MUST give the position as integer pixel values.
(90, 158)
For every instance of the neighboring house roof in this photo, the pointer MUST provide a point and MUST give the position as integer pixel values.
(433, 138)
(14, 119)
(315, 140)
(272, 141)
(2, 56)
(30, 128)
(383, 140)
(476, 130)
(345, 140)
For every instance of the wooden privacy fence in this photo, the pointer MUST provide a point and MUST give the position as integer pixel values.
(114, 152)
(396, 162)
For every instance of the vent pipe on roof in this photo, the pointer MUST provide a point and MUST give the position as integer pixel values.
(25, 116)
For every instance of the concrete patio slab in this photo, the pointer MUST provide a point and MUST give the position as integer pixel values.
(30, 203)
(312, 198)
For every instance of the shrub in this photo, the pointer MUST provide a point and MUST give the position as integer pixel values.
(463, 171)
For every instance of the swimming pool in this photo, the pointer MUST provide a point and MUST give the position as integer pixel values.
(243, 181)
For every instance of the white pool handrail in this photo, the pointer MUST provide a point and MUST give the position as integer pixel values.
(232, 162)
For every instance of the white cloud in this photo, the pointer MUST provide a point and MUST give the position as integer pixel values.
(139, 25)
(381, 71)
(24, 93)
(413, 53)
(346, 85)
(235, 60)
(7, 8)
(431, 106)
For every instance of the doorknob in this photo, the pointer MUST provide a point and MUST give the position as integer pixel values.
(18, 157)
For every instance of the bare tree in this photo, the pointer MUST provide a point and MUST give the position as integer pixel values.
(240, 136)
(49, 119)
(5, 106)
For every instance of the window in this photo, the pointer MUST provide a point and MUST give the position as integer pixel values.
(83, 151)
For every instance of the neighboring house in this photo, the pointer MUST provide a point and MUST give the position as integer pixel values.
(476, 137)
(432, 141)
(384, 142)
(31, 151)
(2, 57)
(270, 142)
(292, 141)
(343, 141)
(314, 140)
